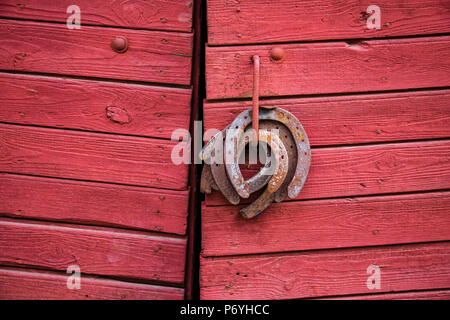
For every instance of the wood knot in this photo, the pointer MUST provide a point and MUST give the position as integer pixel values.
(118, 115)
(364, 16)
(19, 57)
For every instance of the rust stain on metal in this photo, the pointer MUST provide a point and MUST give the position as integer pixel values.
(255, 99)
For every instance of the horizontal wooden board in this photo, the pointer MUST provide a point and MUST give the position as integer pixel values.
(90, 156)
(325, 273)
(356, 118)
(93, 203)
(92, 105)
(322, 224)
(238, 22)
(163, 57)
(412, 295)
(157, 14)
(373, 169)
(332, 67)
(34, 285)
(96, 251)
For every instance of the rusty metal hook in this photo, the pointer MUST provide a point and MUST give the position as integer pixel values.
(291, 153)
(255, 99)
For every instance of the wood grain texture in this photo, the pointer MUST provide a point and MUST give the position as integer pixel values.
(96, 106)
(37, 285)
(96, 251)
(354, 119)
(322, 224)
(93, 203)
(259, 21)
(372, 169)
(325, 273)
(156, 14)
(90, 156)
(414, 295)
(163, 57)
(333, 67)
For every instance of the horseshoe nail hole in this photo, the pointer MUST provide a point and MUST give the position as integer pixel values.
(282, 157)
(306, 153)
(245, 117)
(303, 140)
(292, 147)
(285, 137)
(217, 165)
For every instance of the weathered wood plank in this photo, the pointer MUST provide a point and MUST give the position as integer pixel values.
(91, 105)
(90, 156)
(414, 295)
(157, 14)
(334, 67)
(95, 251)
(93, 203)
(239, 22)
(325, 273)
(323, 224)
(163, 57)
(37, 285)
(373, 169)
(355, 119)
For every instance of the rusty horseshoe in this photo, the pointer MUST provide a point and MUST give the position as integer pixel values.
(301, 143)
(284, 172)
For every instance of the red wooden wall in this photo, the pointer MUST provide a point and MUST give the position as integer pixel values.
(86, 176)
(376, 107)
